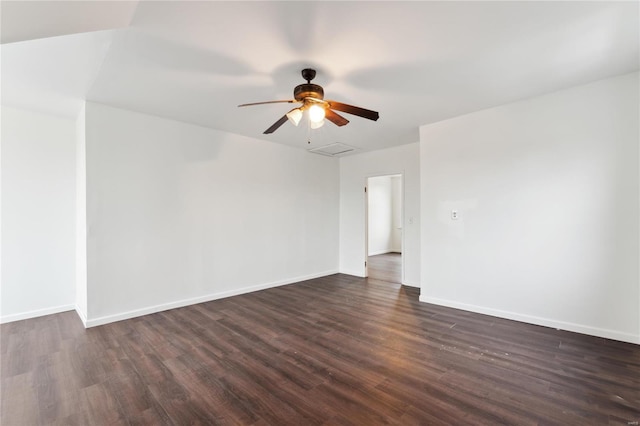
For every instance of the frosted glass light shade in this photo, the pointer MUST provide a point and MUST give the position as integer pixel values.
(295, 116)
(316, 113)
(316, 124)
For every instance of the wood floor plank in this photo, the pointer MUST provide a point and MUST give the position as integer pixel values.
(337, 350)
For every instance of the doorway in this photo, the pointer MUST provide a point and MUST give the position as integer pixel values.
(384, 228)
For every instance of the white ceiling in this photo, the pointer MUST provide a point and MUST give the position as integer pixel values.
(414, 62)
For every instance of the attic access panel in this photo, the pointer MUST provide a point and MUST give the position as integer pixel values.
(333, 150)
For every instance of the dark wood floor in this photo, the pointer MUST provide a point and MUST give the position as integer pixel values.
(334, 350)
(385, 267)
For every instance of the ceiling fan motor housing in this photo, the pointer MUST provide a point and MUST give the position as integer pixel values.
(308, 90)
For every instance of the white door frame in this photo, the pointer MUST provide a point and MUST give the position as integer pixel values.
(366, 220)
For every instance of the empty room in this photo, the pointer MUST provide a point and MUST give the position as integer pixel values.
(318, 213)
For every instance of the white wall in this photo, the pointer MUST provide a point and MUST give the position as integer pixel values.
(354, 171)
(384, 214)
(38, 214)
(548, 192)
(178, 214)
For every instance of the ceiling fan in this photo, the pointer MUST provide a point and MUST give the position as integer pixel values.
(311, 96)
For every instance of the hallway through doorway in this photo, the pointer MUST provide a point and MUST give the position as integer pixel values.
(386, 267)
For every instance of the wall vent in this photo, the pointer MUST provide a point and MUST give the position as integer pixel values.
(333, 150)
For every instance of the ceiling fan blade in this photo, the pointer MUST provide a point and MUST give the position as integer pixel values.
(335, 118)
(288, 101)
(350, 109)
(277, 124)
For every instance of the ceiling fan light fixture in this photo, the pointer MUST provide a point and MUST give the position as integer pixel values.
(316, 114)
(294, 116)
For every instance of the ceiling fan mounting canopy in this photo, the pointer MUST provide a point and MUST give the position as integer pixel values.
(310, 94)
(308, 74)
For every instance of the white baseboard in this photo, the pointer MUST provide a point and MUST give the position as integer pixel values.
(355, 273)
(36, 313)
(94, 322)
(82, 315)
(375, 253)
(546, 322)
(411, 284)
